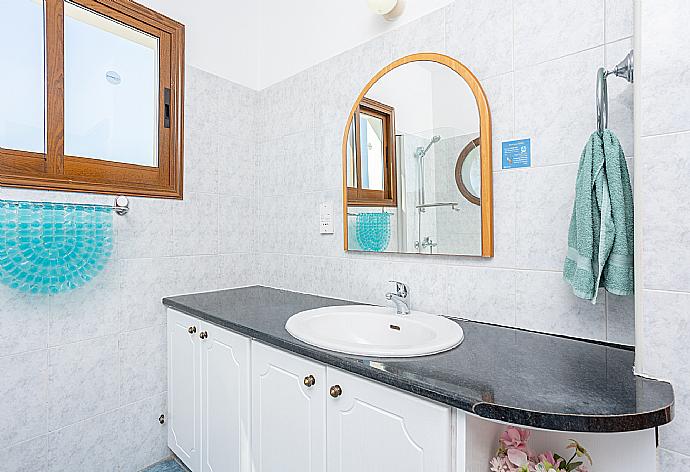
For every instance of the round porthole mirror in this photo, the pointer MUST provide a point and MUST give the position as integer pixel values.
(468, 172)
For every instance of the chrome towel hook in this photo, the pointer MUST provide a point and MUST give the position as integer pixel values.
(624, 69)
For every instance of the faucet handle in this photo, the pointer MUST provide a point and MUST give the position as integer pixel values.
(400, 288)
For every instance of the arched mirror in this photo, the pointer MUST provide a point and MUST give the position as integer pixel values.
(417, 161)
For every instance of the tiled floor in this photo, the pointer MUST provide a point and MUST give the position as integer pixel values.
(166, 466)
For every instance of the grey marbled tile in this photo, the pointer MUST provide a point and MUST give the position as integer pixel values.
(193, 274)
(88, 312)
(331, 277)
(481, 294)
(28, 456)
(201, 148)
(288, 105)
(426, 34)
(669, 461)
(24, 393)
(237, 170)
(676, 434)
(195, 225)
(545, 303)
(239, 270)
(480, 35)
(663, 75)
(620, 20)
(665, 172)
(543, 33)
(25, 314)
(544, 207)
(666, 322)
(328, 156)
(237, 221)
(147, 230)
(554, 106)
(143, 365)
(143, 440)
(369, 278)
(90, 445)
(84, 379)
(620, 319)
(271, 269)
(143, 284)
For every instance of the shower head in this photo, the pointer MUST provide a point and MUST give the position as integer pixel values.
(421, 152)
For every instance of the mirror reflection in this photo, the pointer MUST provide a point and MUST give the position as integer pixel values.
(413, 164)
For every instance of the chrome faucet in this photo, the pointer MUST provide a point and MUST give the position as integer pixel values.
(400, 298)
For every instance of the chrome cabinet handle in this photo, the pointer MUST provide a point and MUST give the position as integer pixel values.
(336, 391)
(309, 381)
(203, 335)
(191, 329)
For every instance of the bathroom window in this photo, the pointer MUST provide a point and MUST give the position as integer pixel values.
(92, 96)
(371, 177)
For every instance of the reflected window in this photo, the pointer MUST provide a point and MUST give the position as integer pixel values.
(371, 174)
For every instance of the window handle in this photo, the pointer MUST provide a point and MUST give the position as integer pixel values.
(166, 107)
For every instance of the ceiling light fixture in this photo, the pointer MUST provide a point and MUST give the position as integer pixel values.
(389, 9)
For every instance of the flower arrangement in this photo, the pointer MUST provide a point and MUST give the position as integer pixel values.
(514, 455)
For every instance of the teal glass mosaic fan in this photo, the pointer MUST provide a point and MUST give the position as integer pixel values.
(53, 247)
(373, 231)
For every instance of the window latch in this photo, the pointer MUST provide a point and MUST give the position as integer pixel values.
(166, 107)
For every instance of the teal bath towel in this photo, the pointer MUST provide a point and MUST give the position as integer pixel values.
(600, 237)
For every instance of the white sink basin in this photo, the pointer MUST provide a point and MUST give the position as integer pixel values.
(375, 331)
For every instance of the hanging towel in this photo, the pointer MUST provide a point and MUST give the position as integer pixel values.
(600, 237)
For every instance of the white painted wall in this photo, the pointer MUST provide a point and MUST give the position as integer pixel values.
(222, 36)
(298, 35)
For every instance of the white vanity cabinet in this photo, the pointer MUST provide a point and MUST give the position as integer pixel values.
(208, 395)
(288, 412)
(374, 428)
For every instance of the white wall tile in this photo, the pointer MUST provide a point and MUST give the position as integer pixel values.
(88, 312)
(143, 367)
(543, 33)
(554, 105)
(546, 303)
(143, 284)
(620, 93)
(195, 221)
(620, 319)
(84, 381)
(666, 195)
(239, 270)
(143, 440)
(237, 228)
(23, 321)
(237, 167)
(29, 456)
(24, 393)
(147, 230)
(545, 204)
(669, 461)
(92, 444)
(489, 24)
(664, 68)
(424, 35)
(619, 19)
(480, 294)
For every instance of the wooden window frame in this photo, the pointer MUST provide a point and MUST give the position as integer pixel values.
(54, 170)
(388, 197)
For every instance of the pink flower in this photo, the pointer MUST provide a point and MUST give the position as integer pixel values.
(515, 438)
(547, 457)
(517, 457)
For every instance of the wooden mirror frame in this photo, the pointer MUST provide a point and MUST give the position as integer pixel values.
(484, 138)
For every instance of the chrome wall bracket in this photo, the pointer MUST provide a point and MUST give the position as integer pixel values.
(624, 69)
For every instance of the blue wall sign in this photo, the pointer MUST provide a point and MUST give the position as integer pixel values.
(517, 153)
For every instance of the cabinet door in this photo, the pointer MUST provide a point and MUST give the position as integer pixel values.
(225, 400)
(373, 428)
(183, 389)
(288, 416)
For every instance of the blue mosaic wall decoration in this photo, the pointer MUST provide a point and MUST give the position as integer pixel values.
(53, 247)
(373, 231)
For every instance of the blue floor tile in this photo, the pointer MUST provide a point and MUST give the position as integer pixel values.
(166, 466)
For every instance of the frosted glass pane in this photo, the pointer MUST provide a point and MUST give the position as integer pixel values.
(111, 90)
(22, 81)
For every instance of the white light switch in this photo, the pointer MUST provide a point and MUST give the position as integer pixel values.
(326, 218)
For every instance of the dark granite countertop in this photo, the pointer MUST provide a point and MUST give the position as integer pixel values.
(502, 374)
